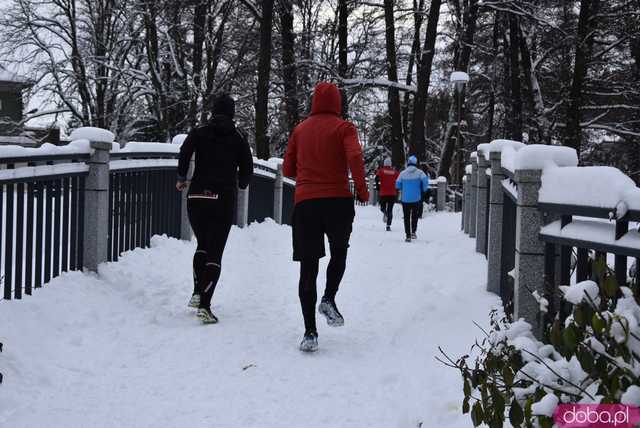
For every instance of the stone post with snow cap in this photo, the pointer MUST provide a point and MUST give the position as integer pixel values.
(474, 195)
(96, 208)
(494, 244)
(242, 208)
(442, 193)
(482, 200)
(496, 206)
(467, 198)
(277, 195)
(372, 191)
(186, 233)
(528, 164)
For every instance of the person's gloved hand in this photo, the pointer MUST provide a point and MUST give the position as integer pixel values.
(181, 185)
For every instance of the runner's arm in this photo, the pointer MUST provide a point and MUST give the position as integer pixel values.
(245, 166)
(186, 152)
(290, 158)
(353, 153)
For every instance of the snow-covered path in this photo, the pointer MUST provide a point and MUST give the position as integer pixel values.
(124, 351)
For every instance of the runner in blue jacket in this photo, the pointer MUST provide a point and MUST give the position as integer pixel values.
(412, 182)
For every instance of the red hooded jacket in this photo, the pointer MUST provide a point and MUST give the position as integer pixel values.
(387, 176)
(322, 149)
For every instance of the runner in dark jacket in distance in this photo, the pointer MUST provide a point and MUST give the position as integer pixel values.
(223, 162)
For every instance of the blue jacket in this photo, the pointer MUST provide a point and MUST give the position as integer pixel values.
(413, 182)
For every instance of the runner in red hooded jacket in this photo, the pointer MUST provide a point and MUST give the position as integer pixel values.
(321, 152)
(386, 179)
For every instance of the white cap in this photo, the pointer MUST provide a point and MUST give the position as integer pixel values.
(387, 162)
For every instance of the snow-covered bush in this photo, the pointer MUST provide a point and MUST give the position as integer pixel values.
(590, 356)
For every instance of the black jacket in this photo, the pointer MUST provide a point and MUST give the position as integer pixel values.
(223, 157)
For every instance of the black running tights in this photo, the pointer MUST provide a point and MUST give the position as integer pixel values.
(211, 230)
(307, 286)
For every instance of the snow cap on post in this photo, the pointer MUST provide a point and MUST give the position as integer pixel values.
(594, 186)
(459, 78)
(538, 156)
(498, 146)
(93, 134)
(179, 139)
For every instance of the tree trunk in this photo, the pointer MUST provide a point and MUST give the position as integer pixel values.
(461, 63)
(264, 71)
(541, 120)
(415, 55)
(417, 143)
(515, 119)
(214, 53)
(289, 71)
(199, 23)
(397, 146)
(343, 29)
(584, 42)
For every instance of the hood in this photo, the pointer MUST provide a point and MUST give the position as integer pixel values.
(222, 124)
(326, 99)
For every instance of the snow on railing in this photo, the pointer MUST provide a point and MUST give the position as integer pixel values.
(536, 202)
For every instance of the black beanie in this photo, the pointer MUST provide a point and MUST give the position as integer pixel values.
(224, 104)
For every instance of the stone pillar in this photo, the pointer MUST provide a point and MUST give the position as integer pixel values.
(372, 192)
(464, 193)
(277, 196)
(96, 208)
(481, 205)
(442, 193)
(474, 197)
(494, 247)
(529, 260)
(242, 214)
(186, 233)
(467, 202)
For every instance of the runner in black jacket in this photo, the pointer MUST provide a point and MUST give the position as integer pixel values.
(223, 162)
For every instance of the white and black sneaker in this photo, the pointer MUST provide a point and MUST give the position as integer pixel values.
(414, 236)
(194, 302)
(330, 311)
(309, 342)
(206, 316)
(407, 239)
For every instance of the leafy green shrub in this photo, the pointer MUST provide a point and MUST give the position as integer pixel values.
(592, 355)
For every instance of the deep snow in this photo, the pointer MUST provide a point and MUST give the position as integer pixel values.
(123, 349)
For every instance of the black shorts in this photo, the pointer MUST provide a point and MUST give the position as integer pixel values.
(315, 218)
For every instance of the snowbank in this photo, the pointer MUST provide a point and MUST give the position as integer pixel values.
(95, 350)
(594, 186)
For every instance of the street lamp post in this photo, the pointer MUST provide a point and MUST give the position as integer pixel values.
(459, 79)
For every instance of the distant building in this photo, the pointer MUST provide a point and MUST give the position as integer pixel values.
(12, 87)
